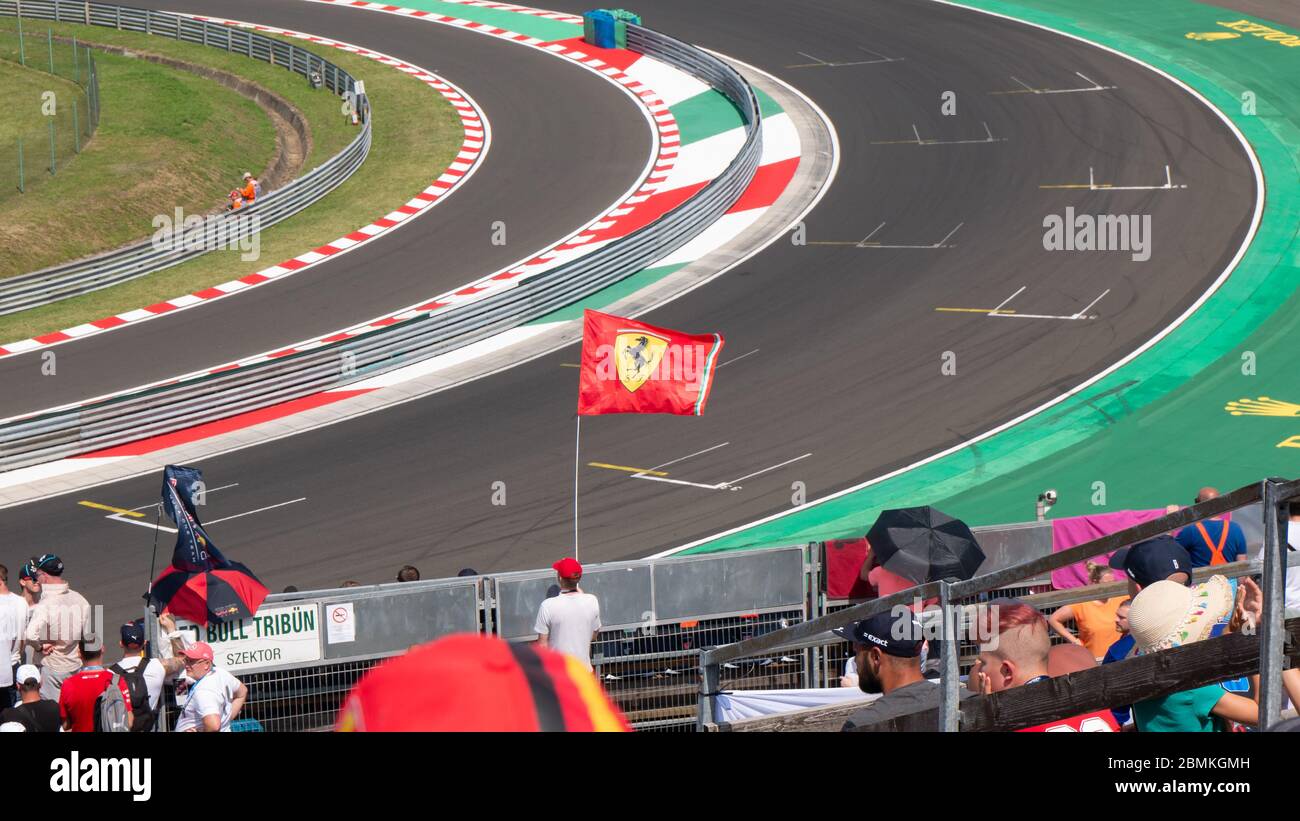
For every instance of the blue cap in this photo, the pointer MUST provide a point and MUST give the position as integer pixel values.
(894, 635)
(133, 633)
(49, 563)
(1153, 560)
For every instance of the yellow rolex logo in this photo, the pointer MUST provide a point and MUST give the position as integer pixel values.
(1212, 35)
(1263, 406)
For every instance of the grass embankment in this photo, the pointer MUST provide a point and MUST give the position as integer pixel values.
(416, 135)
(166, 139)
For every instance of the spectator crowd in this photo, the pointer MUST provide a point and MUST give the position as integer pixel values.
(55, 677)
(1162, 610)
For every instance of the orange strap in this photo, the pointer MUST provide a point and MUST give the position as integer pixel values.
(1216, 553)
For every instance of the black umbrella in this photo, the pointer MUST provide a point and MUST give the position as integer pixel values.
(923, 544)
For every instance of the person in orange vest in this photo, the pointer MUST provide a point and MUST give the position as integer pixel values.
(236, 200)
(249, 191)
(1212, 541)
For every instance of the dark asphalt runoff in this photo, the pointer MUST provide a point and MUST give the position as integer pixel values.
(566, 145)
(842, 346)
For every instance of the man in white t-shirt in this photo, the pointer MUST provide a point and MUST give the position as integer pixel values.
(214, 699)
(569, 622)
(13, 619)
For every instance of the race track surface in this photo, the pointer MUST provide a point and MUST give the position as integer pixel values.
(833, 350)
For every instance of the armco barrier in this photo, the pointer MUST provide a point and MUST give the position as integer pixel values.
(117, 266)
(163, 409)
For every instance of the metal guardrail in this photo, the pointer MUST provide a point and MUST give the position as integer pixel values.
(167, 408)
(1272, 494)
(104, 270)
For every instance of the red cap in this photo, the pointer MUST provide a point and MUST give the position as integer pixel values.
(476, 683)
(199, 650)
(568, 568)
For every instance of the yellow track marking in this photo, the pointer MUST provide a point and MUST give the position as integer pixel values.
(111, 509)
(626, 468)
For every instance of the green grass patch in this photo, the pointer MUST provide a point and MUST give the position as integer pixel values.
(166, 139)
(416, 135)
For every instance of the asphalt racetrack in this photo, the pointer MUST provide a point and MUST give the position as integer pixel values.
(833, 366)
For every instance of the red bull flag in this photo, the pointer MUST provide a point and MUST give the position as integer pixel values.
(631, 367)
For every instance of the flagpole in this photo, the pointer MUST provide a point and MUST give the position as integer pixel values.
(577, 443)
(153, 560)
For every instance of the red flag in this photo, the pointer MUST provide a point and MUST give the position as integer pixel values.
(631, 367)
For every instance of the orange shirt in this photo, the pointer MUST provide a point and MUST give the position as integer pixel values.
(248, 192)
(1095, 623)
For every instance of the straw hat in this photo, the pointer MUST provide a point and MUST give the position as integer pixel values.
(1166, 614)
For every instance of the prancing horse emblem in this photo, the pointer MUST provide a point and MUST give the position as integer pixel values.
(639, 354)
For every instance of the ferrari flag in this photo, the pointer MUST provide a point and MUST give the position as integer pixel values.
(631, 367)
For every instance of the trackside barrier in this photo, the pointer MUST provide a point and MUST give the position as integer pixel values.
(1272, 497)
(56, 434)
(104, 270)
(305, 650)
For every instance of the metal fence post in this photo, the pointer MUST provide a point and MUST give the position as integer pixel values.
(950, 676)
(76, 130)
(49, 43)
(22, 187)
(710, 678)
(76, 60)
(1271, 633)
(87, 12)
(22, 45)
(53, 165)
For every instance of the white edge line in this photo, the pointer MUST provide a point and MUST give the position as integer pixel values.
(1195, 306)
(776, 235)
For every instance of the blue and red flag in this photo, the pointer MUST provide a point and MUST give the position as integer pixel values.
(201, 584)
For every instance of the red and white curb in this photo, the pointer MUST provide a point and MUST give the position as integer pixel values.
(474, 146)
(615, 222)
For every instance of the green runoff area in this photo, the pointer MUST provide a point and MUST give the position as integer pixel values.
(1216, 401)
(416, 134)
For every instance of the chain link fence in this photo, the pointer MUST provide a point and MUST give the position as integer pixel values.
(47, 122)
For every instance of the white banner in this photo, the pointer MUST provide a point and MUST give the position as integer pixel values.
(735, 705)
(276, 635)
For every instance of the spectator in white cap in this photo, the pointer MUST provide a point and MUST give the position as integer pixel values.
(1167, 614)
(214, 698)
(33, 713)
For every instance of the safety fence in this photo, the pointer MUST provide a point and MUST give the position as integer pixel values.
(658, 615)
(1269, 498)
(104, 270)
(44, 126)
(210, 397)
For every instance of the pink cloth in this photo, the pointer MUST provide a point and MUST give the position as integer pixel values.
(888, 583)
(1075, 530)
